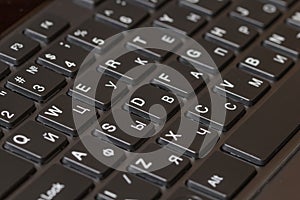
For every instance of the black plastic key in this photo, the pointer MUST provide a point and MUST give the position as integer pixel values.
(266, 63)
(120, 67)
(59, 115)
(65, 58)
(268, 129)
(256, 13)
(185, 194)
(180, 19)
(294, 19)
(229, 112)
(13, 171)
(242, 87)
(59, 183)
(88, 3)
(36, 82)
(18, 49)
(36, 142)
(286, 40)
(194, 139)
(163, 43)
(4, 70)
(97, 165)
(126, 186)
(284, 3)
(207, 56)
(144, 166)
(102, 94)
(153, 4)
(231, 33)
(221, 176)
(121, 13)
(13, 108)
(211, 7)
(143, 103)
(46, 28)
(93, 35)
(180, 79)
(127, 131)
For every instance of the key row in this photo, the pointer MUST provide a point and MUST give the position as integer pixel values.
(228, 32)
(68, 64)
(73, 117)
(208, 179)
(60, 57)
(30, 82)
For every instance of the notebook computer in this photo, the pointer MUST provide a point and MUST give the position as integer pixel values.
(149, 99)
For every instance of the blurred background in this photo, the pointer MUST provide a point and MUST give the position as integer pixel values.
(15, 9)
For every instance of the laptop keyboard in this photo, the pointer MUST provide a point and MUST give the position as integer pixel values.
(255, 45)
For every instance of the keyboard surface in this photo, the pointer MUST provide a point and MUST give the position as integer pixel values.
(49, 67)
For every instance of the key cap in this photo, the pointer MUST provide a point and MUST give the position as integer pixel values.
(36, 142)
(145, 165)
(294, 19)
(65, 58)
(231, 33)
(127, 131)
(218, 176)
(256, 13)
(284, 3)
(59, 183)
(194, 139)
(96, 165)
(176, 81)
(13, 171)
(202, 112)
(88, 3)
(126, 186)
(36, 82)
(150, 3)
(13, 108)
(163, 42)
(18, 49)
(121, 14)
(146, 97)
(242, 87)
(179, 19)
(267, 130)
(59, 115)
(4, 70)
(211, 8)
(46, 28)
(91, 35)
(266, 63)
(120, 68)
(103, 96)
(184, 194)
(211, 57)
(284, 40)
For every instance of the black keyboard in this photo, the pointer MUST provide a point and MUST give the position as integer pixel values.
(48, 67)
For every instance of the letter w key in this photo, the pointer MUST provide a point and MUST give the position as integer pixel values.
(59, 115)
